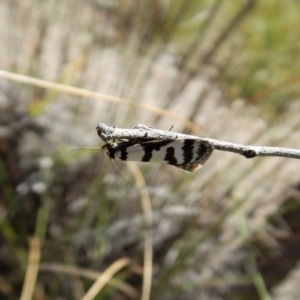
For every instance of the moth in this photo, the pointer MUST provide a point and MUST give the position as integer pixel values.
(186, 154)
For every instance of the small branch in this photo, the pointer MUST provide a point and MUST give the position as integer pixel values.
(141, 132)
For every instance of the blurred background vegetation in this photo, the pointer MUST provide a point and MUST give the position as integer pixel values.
(228, 70)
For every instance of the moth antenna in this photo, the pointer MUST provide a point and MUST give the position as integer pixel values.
(171, 128)
(93, 148)
(82, 148)
(107, 146)
(121, 174)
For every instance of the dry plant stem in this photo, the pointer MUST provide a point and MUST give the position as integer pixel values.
(89, 274)
(142, 132)
(105, 277)
(32, 269)
(94, 95)
(148, 238)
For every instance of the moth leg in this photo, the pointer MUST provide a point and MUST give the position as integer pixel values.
(141, 126)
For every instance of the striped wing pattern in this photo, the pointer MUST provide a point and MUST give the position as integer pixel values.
(188, 154)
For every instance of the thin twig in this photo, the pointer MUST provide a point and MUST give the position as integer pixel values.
(141, 132)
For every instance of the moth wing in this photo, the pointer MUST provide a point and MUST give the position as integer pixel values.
(188, 154)
(145, 151)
